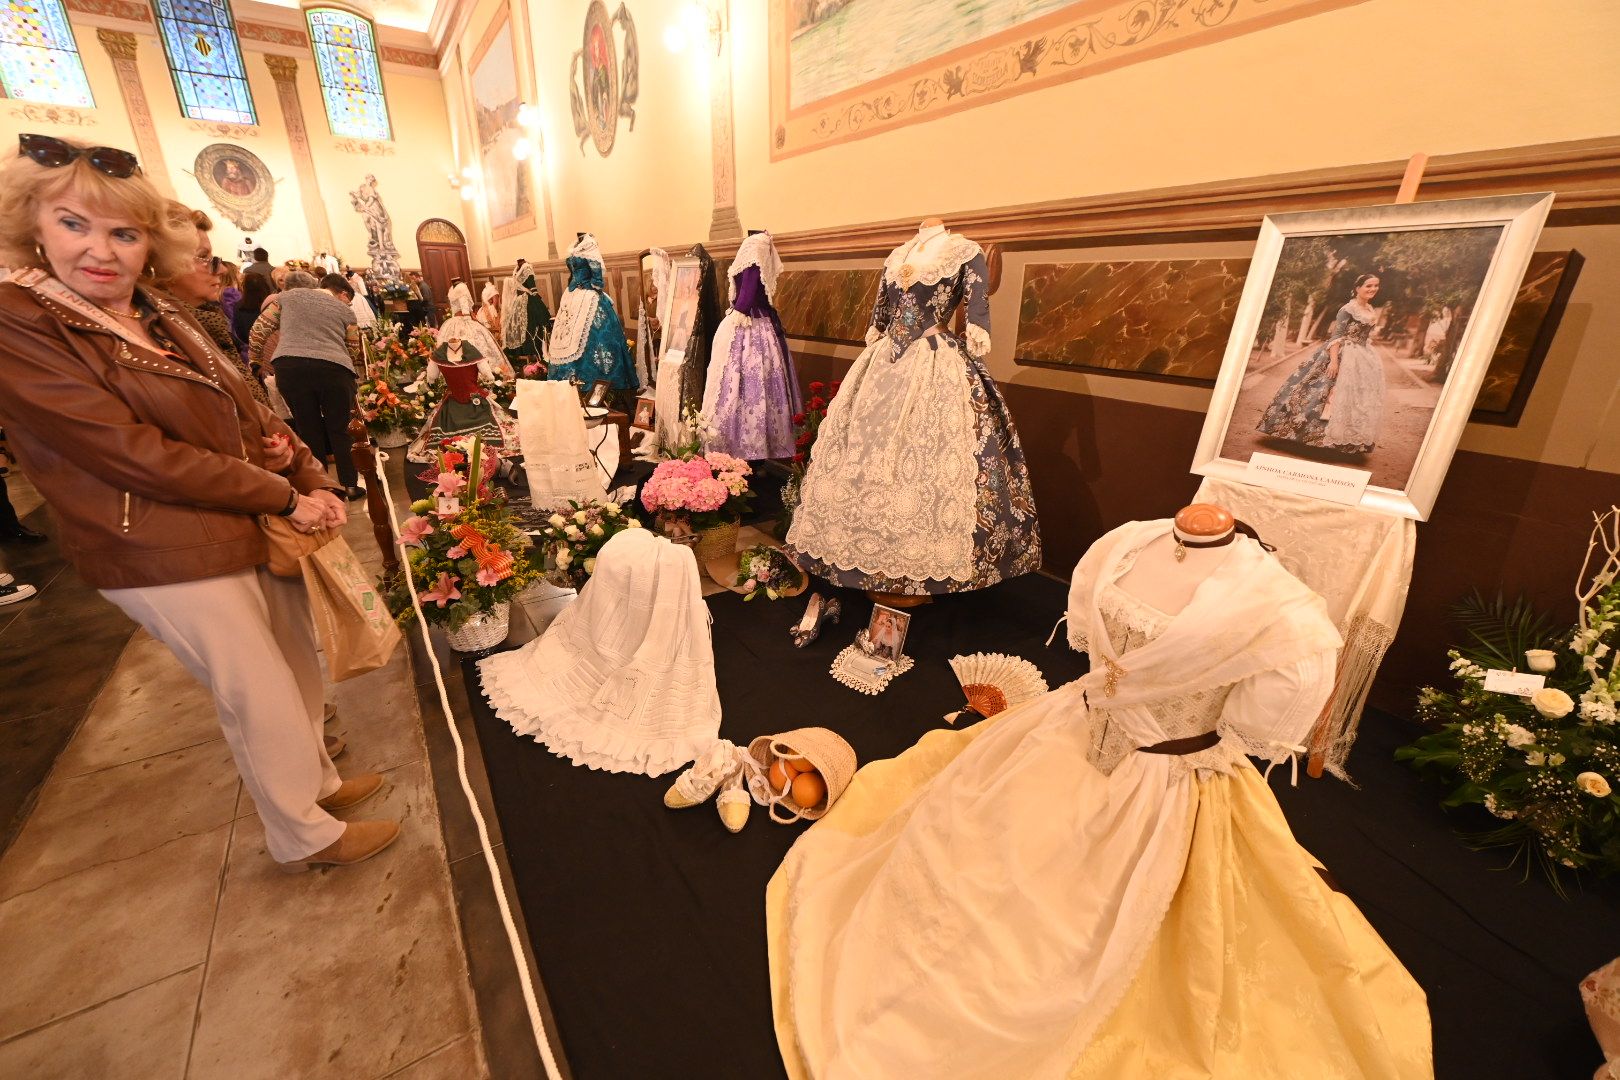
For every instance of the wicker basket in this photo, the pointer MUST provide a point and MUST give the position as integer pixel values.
(832, 756)
(484, 630)
(716, 542)
(394, 438)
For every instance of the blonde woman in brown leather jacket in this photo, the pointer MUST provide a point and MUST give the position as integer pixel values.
(157, 462)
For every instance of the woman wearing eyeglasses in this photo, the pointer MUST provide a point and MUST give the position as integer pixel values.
(158, 462)
(199, 290)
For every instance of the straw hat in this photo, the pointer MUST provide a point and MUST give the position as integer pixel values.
(826, 750)
(724, 572)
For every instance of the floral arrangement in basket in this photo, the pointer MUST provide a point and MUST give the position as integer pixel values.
(387, 410)
(1548, 765)
(469, 559)
(766, 570)
(806, 426)
(698, 492)
(567, 543)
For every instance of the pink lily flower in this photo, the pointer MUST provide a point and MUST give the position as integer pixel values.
(414, 529)
(444, 590)
(449, 483)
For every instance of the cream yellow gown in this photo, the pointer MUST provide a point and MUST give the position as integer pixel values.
(1033, 897)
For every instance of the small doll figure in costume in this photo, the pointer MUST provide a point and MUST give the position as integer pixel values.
(461, 326)
(752, 391)
(525, 319)
(465, 409)
(917, 483)
(1335, 399)
(587, 342)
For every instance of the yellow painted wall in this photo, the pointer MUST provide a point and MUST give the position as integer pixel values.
(412, 180)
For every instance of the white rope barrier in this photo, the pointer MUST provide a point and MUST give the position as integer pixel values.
(541, 1040)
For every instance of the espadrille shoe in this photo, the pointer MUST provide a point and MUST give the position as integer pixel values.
(704, 776)
(734, 804)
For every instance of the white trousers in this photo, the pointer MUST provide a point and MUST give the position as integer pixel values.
(249, 638)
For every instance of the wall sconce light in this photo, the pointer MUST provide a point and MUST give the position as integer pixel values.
(466, 183)
(528, 117)
(522, 149)
(694, 21)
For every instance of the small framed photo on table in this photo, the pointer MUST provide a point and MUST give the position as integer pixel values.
(598, 395)
(646, 414)
(886, 633)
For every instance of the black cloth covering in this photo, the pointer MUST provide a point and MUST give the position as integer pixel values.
(648, 924)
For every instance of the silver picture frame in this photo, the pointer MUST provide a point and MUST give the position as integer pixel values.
(1521, 218)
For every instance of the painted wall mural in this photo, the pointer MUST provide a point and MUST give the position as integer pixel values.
(603, 85)
(1169, 320)
(827, 305)
(508, 182)
(846, 69)
(237, 183)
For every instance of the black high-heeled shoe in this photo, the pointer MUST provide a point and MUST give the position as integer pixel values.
(821, 609)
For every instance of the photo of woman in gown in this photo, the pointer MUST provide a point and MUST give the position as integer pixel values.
(1335, 399)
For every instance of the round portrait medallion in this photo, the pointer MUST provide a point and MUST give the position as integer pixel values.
(601, 77)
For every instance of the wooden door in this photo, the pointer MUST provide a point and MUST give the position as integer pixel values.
(443, 253)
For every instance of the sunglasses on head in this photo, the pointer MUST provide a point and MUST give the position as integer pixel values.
(54, 153)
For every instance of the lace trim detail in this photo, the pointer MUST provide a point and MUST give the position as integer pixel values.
(892, 487)
(978, 341)
(757, 250)
(586, 248)
(572, 326)
(942, 264)
(873, 336)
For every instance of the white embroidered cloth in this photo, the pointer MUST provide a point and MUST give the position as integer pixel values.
(623, 680)
(556, 455)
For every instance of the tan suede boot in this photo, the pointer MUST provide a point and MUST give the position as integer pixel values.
(359, 842)
(355, 790)
(334, 746)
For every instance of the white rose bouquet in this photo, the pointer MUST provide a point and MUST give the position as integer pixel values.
(567, 542)
(1546, 766)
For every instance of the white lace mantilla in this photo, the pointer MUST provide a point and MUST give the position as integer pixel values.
(893, 481)
(928, 266)
(757, 250)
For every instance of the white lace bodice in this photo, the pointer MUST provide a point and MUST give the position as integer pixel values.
(1132, 623)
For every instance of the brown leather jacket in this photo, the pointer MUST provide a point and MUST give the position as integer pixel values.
(152, 467)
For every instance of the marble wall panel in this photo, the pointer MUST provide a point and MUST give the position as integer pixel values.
(827, 305)
(1168, 320)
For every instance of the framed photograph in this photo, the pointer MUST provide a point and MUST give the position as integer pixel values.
(646, 414)
(886, 632)
(598, 395)
(685, 275)
(1405, 306)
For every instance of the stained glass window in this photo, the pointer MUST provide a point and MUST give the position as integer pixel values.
(351, 80)
(39, 60)
(199, 39)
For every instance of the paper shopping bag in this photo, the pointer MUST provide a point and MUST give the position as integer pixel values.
(357, 632)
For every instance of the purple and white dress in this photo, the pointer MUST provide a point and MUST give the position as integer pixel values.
(752, 392)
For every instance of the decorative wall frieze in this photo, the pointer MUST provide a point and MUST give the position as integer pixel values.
(270, 34)
(394, 54)
(55, 114)
(365, 147)
(223, 131)
(121, 46)
(128, 10)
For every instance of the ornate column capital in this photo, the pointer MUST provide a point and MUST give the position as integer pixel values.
(120, 44)
(282, 68)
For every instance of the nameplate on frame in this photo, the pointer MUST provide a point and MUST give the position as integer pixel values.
(1330, 483)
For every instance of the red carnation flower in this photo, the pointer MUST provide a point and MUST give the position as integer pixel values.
(836, 384)
(817, 387)
(798, 418)
(799, 459)
(818, 404)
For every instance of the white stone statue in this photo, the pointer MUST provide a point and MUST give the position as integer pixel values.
(379, 229)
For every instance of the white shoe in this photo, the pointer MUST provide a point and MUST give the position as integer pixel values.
(10, 592)
(704, 776)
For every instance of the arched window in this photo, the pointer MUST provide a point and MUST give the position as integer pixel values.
(199, 38)
(39, 60)
(351, 80)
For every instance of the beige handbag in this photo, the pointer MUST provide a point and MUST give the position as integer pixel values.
(288, 546)
(826, 750)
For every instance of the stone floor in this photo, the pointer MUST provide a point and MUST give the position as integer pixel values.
(144, 932)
